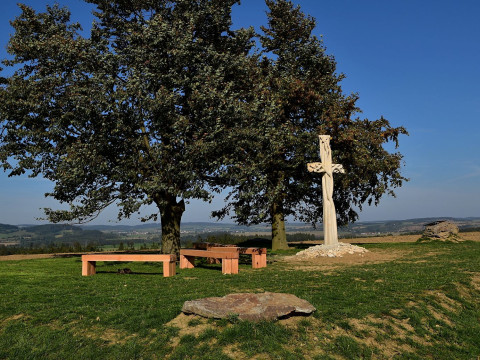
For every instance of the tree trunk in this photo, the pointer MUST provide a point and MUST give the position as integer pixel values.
(279, 236)
(171, 213)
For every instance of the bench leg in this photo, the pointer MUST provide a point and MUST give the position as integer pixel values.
(187, 262)
(263, 260)
(88, 268)
(230, 266)
(259, 261)
(256, 261)
(169, 268)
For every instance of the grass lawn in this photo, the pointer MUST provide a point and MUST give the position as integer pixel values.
(425, 303)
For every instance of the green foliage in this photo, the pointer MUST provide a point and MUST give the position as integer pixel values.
(297, 97)
(135, 114)
(163, 102)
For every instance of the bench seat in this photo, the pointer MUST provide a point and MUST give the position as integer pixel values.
(89, 261)
(229, 259)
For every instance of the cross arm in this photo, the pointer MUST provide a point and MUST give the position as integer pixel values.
(320, 168)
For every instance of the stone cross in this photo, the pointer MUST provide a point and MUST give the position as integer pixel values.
(327, 168)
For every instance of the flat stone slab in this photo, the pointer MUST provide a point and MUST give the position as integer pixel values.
(249, 306)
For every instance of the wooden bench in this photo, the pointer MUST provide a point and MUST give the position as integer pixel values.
(89, 261)
(259, 255)
(229, 259)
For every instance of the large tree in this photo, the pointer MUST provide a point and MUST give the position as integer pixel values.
(135, 114)
(298, 96)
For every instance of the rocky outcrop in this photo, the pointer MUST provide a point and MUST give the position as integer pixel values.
(441, 230)
(249, 306)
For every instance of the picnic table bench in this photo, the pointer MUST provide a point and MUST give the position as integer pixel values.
(229, 259)
(89, 261)
(259, 255)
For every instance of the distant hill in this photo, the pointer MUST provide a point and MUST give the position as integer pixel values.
(51, 233)
(364, 227)
(51, 229)
(5, 228)
(141, 227)
(34, 234)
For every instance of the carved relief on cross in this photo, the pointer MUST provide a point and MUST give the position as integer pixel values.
(327, 168)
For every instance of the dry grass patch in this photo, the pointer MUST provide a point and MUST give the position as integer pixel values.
(108, 335)
(4, 322)
(233, 352)
(188, 325)
(445, 302)
(440, 316)
(476, 281)
(472, 236)
(373, 333)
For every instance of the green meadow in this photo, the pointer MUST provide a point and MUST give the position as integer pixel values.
(422, 303)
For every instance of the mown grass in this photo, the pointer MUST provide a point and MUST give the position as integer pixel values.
(425, 304)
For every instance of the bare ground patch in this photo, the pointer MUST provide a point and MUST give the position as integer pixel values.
(26, 257)
(472, 236)
(109, 335)
(327, 263)
(188, 325)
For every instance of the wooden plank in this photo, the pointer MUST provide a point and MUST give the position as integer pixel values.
(169, 268)
(88, 267)
(129, 257)
(234, 266)
(226, 266)
(209, 253)
(207, 245)
(259, 261)
(187, 262)
(241, 250)
(230, 266)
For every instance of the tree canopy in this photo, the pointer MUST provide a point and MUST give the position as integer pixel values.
(298, 97)
(164, 102)
(132, 115)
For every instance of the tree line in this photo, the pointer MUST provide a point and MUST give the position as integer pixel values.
(164, 102)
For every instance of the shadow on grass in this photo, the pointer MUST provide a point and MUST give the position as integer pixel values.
(132, 273)
(257, 242)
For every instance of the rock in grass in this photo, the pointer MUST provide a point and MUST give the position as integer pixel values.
(441, 230)
(249, 306)
(124, 271)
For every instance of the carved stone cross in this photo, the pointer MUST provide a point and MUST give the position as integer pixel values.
(327, 168)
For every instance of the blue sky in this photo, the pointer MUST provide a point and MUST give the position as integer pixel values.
(417, 63)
